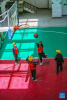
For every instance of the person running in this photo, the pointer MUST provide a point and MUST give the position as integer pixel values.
(15, 52)
(40, 52)
(32, 65)
(59, 59)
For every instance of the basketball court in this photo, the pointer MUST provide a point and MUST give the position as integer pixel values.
(53, 38)
(16, 81)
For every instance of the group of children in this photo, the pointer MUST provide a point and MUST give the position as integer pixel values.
(32, 64)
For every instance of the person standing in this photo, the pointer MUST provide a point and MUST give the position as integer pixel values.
(59, 59)
(15, 52)
(40, 52)
(32, 65)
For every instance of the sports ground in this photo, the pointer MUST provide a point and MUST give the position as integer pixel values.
(15, 80)
(53, 38)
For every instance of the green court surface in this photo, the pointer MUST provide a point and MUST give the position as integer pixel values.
(53, 38)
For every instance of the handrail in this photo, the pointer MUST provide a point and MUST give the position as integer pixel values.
(12, 6)
(4, 13)
(7, 15)
(7, 10)
(35, 5)
(30, 4)
(3, 19)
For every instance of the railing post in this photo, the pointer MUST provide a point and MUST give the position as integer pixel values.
(8, 19)
(9, 30)
(35, 5)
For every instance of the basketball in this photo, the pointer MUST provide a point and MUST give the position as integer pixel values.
(35, 35)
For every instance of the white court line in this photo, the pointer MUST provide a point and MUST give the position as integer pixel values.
(59, 32)
(46, 58)
(5, 35)
(52, 31)
(33, 58)
(48, 81)
(65, 33)
(46, 31)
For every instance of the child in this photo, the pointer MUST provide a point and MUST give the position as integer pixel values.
(40, 52)
(15, 52)
(59, 59)
(32, 66)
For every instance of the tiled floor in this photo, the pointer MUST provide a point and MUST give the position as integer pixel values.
(43, 18)
(16, 82)
(53, 38)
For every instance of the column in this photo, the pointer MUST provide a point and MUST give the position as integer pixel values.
(64, 7)
(56, 8)
(3, 9)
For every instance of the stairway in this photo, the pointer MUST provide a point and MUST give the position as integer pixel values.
(26, 6)
(4, 1)
(30, 8)
(2, 6)
(1, 1)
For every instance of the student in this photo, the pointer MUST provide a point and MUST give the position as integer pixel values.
(15, 52)
(59, 59)
(40, 52)
(32, 66)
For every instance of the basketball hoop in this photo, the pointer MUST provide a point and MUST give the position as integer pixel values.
(22, 27)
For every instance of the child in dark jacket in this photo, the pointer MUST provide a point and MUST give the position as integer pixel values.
(59, 59)
(32, 66)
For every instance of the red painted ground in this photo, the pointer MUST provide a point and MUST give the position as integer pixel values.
(16, 82)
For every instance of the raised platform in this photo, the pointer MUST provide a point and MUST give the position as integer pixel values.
(16, 81)
(5, 29)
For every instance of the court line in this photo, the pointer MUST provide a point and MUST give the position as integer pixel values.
(46, 58)
(48, 81)
(33, 58)
(46, 31)
(52, 31)
(5, 35)
(65, 33)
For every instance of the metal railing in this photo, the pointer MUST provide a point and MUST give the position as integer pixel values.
(7, 14)
(33, 3)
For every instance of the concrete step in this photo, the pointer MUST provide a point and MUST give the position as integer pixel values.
(29, 6)
(29, 10)
(25, 5)
(32, 8)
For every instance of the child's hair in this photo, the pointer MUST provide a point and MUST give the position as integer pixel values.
(40, 41)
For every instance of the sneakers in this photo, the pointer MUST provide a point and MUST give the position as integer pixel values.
(32, 77)
(57, 73)
(61, 69)
(34, 80)
(46, 55)
(15, 63)
(41, 63)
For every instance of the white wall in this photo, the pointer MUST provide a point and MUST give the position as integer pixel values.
(39, 3)
(56, 8)
(50, 4)
(64, 7)
(0, 4)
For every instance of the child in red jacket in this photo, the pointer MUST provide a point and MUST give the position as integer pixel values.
(15, 52)
(40, 52)
(32, 66)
